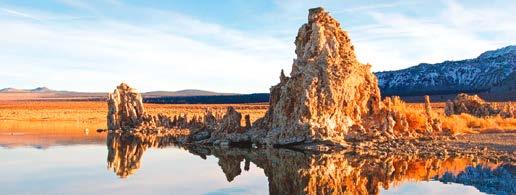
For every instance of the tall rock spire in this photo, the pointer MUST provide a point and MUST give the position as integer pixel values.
(328, 90)
(125, 107)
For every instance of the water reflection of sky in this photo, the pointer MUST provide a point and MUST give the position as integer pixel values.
(431, 187)
(82, 169)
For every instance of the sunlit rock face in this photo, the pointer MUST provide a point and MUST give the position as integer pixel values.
(476, 106)
(397, 120)
(125, 108)
(328, 90)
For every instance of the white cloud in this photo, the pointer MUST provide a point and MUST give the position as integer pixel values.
(398, 41)
(164, 50)
(375, 6)
(174, 55)
(18, 14)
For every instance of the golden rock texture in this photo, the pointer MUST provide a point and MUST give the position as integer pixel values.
(328, 90)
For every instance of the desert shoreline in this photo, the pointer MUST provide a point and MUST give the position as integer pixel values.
(80, 118)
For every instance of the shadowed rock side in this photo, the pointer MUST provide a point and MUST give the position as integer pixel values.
(476, 106)
(328, 90)
(294, 172)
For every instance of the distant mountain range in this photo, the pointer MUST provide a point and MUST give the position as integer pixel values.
(490, 73)
(44, 93)
(186, 92)
(35, 90)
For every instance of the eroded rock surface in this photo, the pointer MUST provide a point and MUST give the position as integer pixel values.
(126, 112)
(328, 90)
(397, 120)
(230, 128)
(476, 106)
(125, 106)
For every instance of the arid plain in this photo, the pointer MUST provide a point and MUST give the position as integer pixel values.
(91, 115)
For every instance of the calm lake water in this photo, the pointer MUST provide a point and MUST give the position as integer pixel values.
(79, 161)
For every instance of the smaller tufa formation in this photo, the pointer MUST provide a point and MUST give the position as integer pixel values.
(433, 123)
(125, 108)
(396, 119)
(230, 128)
(476, 106)
(126, 112)
(231, 122)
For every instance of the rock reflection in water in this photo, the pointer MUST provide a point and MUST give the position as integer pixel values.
(126, 150)
(295, 172)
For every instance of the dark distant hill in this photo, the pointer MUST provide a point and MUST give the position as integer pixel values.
(488, 74)
(186, 92)
(218, 99)
(492, 75)
(10, 90)
(41, 90)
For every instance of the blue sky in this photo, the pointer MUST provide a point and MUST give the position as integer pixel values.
(225, 46)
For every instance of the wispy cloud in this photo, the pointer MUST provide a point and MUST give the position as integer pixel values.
(96, 55)
(18, 14)
(397, 40)
(94, 45)
(375, 6)
(77, 4)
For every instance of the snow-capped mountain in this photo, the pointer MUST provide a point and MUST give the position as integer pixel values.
(476, 75)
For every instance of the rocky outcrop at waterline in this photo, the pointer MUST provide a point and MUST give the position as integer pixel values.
(125, 108)
(126, 113)
(476, 106)
(328, 98)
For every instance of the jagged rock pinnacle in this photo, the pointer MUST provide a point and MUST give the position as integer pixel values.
(328, 90)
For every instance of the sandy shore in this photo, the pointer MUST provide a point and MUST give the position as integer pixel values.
(494, 141)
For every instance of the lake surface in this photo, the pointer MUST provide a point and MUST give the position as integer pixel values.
(79, 161)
